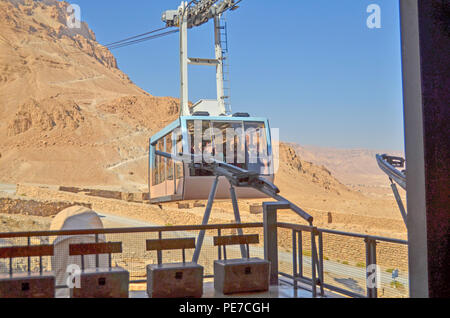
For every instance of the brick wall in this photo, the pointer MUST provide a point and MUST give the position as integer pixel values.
(35, 208)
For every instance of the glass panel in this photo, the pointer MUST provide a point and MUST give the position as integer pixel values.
(161, 163)
(169, 162)
(228, 143)
(224, 140)
(154, 169)
(257, 149)
(179, 150)
(201, 144)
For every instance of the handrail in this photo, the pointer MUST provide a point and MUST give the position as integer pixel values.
(176, 228)
(133, 230)
(306, 228)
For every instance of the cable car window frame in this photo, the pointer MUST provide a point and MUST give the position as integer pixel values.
(261, 126)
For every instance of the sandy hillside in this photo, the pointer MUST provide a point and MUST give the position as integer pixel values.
(69, 116)
(351, 166)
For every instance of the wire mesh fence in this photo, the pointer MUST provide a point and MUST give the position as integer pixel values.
(344, 263)
(134, 257)
(392, 260)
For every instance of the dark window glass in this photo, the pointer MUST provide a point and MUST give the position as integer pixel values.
(154, 170)
(198, 147)
(179, 149)
(243, 144)
(257, 158)
(161, 163)
(169, 162)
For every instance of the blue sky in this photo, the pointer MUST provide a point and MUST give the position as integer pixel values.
(313, 67)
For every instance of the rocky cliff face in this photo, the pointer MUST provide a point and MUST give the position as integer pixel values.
(67, 111)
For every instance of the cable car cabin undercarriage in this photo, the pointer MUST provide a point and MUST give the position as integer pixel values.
(242, 142)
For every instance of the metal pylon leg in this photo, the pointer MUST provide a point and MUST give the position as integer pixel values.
(201, 235)
(398, 198)
(237, 218)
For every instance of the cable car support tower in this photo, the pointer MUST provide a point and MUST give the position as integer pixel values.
(187, 16)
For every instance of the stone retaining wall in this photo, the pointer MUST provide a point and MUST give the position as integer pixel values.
(35, 208)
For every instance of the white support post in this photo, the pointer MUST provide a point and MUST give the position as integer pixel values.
(184, 92)
(219, 66)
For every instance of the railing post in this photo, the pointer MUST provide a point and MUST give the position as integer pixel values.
(322, 292)
(159, 252)
(313, 263)
(271, 236)
(294, 258)
(371, 269)
(97, 259)
(300, 254)
(201, 235)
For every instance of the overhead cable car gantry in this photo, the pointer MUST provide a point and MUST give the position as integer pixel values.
(194, 14)
(209, 152)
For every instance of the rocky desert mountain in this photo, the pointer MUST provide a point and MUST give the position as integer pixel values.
(68, 114)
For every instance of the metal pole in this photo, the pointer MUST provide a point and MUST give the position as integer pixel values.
(159, 252)
(29, 258)
(97, 256)
(237, 216)
(373, 251)
(313, 264)
(371, 259)
(271, 236)
(322, 292)
(219, 67)
(294, 258)
(201, 235)
(184, 91)
(300, 254)
(399, 202)
(219, 250)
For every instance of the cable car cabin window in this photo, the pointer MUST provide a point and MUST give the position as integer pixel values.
(228, 141)
(243, 144)
(169, 162)
(200, 144)
(257, 157)
(179, 150)
(154, 170)
(160, 164)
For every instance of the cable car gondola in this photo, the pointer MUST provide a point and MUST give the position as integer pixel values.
(208, 128)
(242, 141)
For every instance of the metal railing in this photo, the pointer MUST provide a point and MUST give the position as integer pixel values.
(307, 256)
(312, 253)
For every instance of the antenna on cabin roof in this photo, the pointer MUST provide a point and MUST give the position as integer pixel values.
(189, 15)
